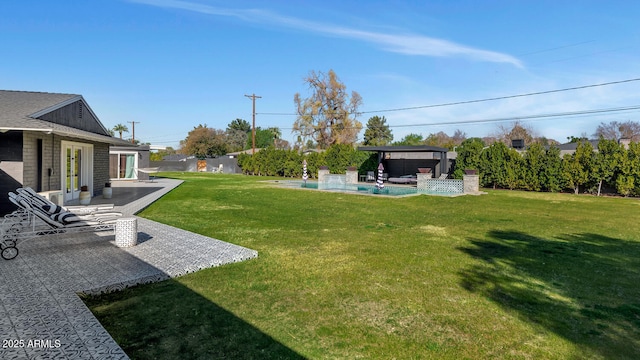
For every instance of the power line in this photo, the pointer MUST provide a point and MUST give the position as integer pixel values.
(511, 118)
(529, 117)
(520, 117)
(486, 99)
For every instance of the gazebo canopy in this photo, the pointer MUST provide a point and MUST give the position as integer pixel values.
(404, 148)
(409, 154)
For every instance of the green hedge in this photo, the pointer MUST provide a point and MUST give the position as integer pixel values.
(288, 163)
(611, 167)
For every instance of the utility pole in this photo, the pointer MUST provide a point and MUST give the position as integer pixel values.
(253, 132)
(133, 130)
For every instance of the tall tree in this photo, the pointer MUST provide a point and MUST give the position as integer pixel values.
(517, 130)
(552, 173)
(628, 162)
(441, 139)
(277, 134)
(576, 167)
(237, 134)
(493, 164)
(328, 116)
(204, 142)
(264, 138)
(120, 129)
(410, 139)
(605, 163)
(378, 132)
(619, 130)
(240, 125)
(533, 167)
(468, 156)
(458, 137)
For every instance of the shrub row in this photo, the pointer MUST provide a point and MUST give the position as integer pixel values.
(611, 167)
(288, 163)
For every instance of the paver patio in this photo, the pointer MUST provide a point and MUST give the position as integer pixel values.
(41, 315)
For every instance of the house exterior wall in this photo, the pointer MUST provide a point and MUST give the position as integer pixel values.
(51, 160)
(100, 167)
(75, 115)
(10, 167)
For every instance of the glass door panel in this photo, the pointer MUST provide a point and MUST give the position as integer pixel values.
(77, 168)
(69, 171)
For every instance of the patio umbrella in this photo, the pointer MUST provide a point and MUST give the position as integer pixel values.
(379, 182)
(304, 172)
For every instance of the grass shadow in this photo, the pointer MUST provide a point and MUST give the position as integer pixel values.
(583, 287)
(167, 320)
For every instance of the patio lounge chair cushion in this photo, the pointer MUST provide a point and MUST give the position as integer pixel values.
(19, 201)
(46, 218)
(53, 209)
(65, 217)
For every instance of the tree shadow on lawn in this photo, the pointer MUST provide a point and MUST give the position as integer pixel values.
(167, 320)
(583, 287)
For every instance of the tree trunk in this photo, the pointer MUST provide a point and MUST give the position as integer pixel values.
(577, 189)
(599, 187)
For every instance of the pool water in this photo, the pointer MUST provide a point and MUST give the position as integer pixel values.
(355, 188)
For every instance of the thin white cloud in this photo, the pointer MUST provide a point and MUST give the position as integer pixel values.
(404, 44)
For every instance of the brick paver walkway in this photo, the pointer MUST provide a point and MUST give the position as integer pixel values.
(41, 315)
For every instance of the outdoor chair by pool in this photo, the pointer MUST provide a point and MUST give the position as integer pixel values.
(371, 176)
(37, 216)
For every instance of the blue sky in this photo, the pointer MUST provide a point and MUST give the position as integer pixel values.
(171, 65)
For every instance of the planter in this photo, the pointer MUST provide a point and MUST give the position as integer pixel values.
(85, 195)
(107, 192)
(470, 172)
(424, 170)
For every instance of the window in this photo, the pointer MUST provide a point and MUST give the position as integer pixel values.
(122, 165)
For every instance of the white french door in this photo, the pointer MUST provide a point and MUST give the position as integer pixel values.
(77, 168)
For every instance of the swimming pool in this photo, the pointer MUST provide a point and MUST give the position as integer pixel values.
(388, 190)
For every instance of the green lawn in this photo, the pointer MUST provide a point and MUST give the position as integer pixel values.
(508, 275)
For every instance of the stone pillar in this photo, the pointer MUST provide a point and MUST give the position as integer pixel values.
(352, 177)
(321, 174)
(422, 180)
(471, 184)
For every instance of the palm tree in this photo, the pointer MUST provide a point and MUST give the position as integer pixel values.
(120, 129)
(277, 134)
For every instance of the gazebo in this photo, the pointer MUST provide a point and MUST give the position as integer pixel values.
(406, 160)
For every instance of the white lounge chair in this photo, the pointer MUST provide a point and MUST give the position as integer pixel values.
(37, 216)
